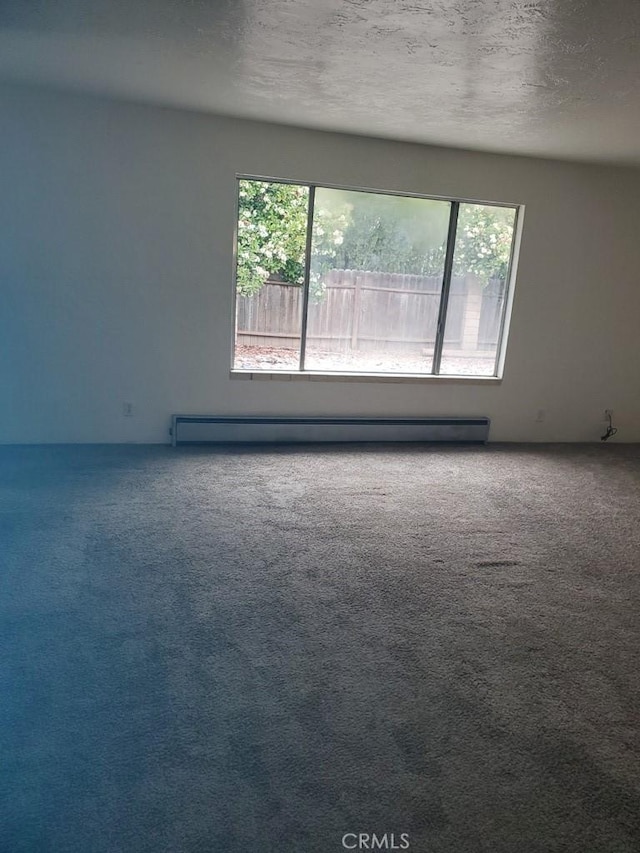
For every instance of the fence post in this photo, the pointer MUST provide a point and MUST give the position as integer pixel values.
(472, 309)
(355, 317)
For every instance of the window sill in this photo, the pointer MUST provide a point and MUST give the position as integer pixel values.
(313, 376)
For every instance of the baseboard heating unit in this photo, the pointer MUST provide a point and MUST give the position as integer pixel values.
(205, 429)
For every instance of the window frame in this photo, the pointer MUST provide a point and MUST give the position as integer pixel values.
(340, 375)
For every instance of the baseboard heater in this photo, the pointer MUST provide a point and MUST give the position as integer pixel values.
(205, 429)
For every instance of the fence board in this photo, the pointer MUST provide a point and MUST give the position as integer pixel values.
(366, 310)
(491, 313)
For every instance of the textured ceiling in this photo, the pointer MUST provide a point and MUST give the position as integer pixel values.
(559, 78)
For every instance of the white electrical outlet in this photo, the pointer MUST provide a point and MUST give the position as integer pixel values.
(127, 410)
(541, 416)
(608, 413)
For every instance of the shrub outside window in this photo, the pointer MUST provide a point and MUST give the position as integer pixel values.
(352, 281)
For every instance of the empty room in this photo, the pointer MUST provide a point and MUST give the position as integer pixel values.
(320, 435)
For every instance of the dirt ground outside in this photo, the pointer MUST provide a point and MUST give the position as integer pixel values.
(282, 358)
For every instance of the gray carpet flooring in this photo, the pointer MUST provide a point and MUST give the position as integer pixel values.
(263, 649)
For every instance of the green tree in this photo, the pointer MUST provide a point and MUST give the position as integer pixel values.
(483, 241)
(366, 231)
(272, 233)
(272, 226)
(387, 233)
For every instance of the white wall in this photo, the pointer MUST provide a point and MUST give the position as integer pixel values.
(116, 234)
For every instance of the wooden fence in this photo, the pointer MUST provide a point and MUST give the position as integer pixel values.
(361, 310)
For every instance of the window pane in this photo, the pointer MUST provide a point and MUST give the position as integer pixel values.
(478, 290)
(272, 226)
(376, 278)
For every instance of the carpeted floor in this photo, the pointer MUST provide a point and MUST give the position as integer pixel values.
(264, 649)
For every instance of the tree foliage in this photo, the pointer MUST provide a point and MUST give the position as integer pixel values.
(385, 233)
(367, 231)
(483, 241)
(272, 227)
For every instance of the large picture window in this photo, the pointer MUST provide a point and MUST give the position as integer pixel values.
(343, 281)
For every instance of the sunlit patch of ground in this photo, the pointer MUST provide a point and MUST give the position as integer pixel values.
(282, 358)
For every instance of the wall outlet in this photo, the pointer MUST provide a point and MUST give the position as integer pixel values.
(541, 416)
(608, 413)
(127, 410)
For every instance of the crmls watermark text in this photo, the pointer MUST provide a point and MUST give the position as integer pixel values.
(373, 841)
